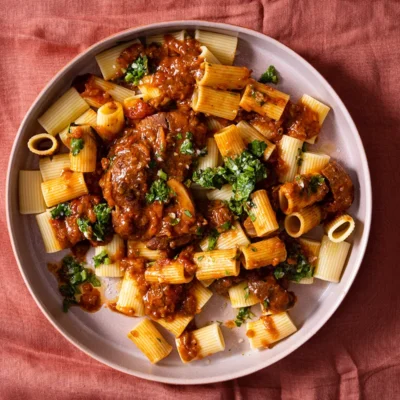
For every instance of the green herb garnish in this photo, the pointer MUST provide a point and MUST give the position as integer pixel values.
(137, 70)
(212, 239)
(162, 175)
(187, 144)
(159, 191)
(246, 292)
(188, 213)
(103, 220)
(62, 210)
(101, 259)
(226, 226)
(257, 147)
(243, 314)
(76, 146)
(270, 75)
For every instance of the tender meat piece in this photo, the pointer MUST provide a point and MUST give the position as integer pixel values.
(264, 285)
(90, 299)
(188, 346)
(138, 109)
(168, 301)
(222, 286)
(301, 122)
(219, 216)
(341, 186)
(271, 129)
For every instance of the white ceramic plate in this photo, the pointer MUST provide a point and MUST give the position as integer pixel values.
(103, 335)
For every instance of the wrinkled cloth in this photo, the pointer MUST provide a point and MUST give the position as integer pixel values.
(356, 46)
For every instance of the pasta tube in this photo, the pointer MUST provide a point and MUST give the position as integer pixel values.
(219, 103)
(313, 162)
(115, 251)
(68, 186)
(50, 241)
(222, 46)
(250, 134)
(269, 329)
(36, 141)
(211, 159)
(107, 60)
(229, 141)
(149, 341)
(89, 117)
(224, 194)
(266, 252)
(130, 301)
(240, 296)
(167, 271)
(53, 167)
(117, 92)
(85, 159)
(301, 222)
(207, 56)
(139, 249)
(179, 35)
(64, 111)
(339, 228)
(289, 150)
(262, 214)
(264, 100)
(216, 264)
(224, 77)
(214, 125)
(110, 120)
(332, 258)
(235, 237)
(30, 193)
(208, 340)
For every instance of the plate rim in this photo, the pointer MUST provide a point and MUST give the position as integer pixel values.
(363, 241)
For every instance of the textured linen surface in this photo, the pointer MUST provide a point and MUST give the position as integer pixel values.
(356, 46)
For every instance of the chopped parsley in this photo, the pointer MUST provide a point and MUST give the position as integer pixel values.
(98, 229)
(179, 136)
(212, 239)
(254, 249)
(246, 292)
(76, 146)
(162, 175)
(103, 219)
(101, 259)
(188, 213)
(72, 274)
(315, 182)
(296, 266)
(174, 221)
(257, 147)
(187, 144)
(266, 304)
(159, 191)
(210, 178)
(270, 75)
(62, 210)
(243, 314)
(226, 226)
(137, 70)
(200, 258)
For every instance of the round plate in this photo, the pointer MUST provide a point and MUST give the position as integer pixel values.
(102, 335)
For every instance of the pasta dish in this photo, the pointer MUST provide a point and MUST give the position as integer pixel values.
(186, 177)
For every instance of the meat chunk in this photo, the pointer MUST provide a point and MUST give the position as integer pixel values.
(341, 187)
(265, 287)
(219, 216)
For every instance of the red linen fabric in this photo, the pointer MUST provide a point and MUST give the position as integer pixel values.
(356, 46)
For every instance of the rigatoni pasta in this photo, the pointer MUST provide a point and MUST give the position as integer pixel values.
(266, 252)
(262, 214)
(216, 264)
(331, 260)
(224, 77)
(51, 243)
(130, 300)
(220, 103)
(301, 222)
(269, 329)
(85, 159)
(67, 187)
(229, 141)
(64, 111)
(240, 296)
(52, 167)
(30, 194)
(150, 341)
(222, 46)
(264, 100)
(290, 152)
(211, 159)
(340, 228)
(312, 162)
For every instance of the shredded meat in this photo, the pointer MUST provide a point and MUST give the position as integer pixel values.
(219, 216)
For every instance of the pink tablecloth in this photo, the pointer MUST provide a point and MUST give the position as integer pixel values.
(356, 46)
